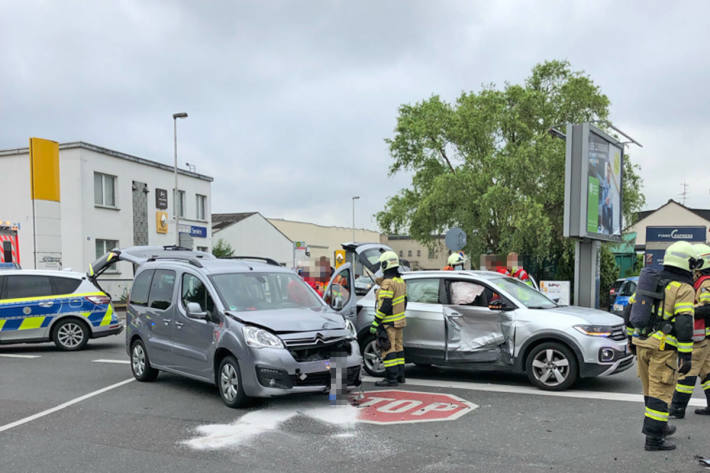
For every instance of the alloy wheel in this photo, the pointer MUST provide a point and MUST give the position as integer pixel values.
(70, 335)
(372, 359)
(550, 367)
(138, 360)
(229, 382)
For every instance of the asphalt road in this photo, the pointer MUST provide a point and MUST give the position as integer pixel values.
(179, 425)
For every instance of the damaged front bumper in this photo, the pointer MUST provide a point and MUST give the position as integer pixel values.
(277, 372)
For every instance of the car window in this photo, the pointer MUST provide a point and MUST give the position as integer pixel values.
(264, 291)
(526, 295)
(194, 290)
(339, 289)
(423, 290)
(470, 293)
(161, 289)
(64, 285)
(141, 287)
(20, 286)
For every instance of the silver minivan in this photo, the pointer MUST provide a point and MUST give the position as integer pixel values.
(485, 320)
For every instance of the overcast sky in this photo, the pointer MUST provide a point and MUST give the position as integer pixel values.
(290, 102)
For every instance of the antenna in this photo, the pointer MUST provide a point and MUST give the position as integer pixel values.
(684, 194)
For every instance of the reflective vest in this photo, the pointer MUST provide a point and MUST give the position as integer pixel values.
(391, 303)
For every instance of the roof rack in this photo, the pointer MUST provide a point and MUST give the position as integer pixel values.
(257, 258)
(176, 248)
(190, 259)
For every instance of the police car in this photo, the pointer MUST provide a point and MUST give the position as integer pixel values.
(65, 307)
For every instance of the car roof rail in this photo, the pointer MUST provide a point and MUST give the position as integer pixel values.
(190, 259)
(257, 258)
(176, 248)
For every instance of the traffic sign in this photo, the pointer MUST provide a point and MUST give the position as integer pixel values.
(455, 239)
(399, 407)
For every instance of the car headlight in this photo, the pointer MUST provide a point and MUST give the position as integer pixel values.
(350, 328)
(595, 330)
(259, 338)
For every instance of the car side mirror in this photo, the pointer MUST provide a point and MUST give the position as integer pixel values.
(194, 311)
(500, 306)
(337, 303)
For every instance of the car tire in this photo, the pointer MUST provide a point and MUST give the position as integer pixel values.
(371, 360)
(140, 364)
(551, 366)
(229, 383)
(70, 334)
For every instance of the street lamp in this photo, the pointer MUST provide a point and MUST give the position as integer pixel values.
(175, 191)
(355, 197)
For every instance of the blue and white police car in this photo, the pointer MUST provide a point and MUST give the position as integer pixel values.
(65, 307)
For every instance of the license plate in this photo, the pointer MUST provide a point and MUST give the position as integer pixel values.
(618, 307)
(314, 366)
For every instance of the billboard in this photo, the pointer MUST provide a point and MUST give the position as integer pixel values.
(593, 184)
(671, 234)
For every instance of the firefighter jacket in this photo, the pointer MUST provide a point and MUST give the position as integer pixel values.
(674, 327)
(702, 308)
(391, 302)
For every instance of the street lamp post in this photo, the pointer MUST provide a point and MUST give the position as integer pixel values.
(355, 197)
(175, 190)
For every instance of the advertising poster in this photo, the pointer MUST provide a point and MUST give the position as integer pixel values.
(604, 187)
(558, 291)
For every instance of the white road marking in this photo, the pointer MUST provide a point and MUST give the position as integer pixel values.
(8, 355)
(119, 362)
(529, 390)
(39, 415)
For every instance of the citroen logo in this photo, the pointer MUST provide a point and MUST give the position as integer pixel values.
(319, 337)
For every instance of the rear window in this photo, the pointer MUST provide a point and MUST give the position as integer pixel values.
(161, 289)
(423, 290)
(21, 286)
(141, 287)
(64, 285)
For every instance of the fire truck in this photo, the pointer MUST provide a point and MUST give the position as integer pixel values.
(10, 247)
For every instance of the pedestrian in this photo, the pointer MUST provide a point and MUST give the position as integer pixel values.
(390, 316)
(701, 345)
(664, 347)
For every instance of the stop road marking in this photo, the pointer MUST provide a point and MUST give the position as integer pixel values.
(398, 407)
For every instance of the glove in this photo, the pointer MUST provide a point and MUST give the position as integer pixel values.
(685, 362)
(373, 329)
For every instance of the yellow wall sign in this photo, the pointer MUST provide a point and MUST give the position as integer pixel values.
(339, 258)
(44, 169)
(161, 221)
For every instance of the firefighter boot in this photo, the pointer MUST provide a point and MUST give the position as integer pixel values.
(668, 430)
(676, 411)
(400, 374)
(705, 411)
(390, 378)
(655, 444)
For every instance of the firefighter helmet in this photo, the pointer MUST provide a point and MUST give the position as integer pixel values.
(389, 260)
(682, 255)
(455, 259)
(703, 254)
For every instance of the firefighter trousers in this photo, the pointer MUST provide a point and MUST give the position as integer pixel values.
(700, 368)
(658, 372)
(393, 359)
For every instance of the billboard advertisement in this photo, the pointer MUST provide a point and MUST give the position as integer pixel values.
(594, 165)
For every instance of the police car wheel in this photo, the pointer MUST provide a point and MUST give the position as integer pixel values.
(229, 383)
(371, 359)
(140, 364)
(551, 366)
(70, 335)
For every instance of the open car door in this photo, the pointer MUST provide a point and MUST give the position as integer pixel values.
(339, 294)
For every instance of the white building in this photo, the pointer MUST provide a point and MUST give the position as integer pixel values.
(250, 234)
(107, 199)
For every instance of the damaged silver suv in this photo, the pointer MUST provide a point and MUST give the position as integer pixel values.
(251, 327)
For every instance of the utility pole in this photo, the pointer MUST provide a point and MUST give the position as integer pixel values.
(176, 193)
(355, 197)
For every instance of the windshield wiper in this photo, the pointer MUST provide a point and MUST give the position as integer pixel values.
(540, 307)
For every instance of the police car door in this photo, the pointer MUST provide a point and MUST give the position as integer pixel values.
(474, 332)
(339, 294)
(27, 306)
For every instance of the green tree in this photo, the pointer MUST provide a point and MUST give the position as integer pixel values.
(489, 164)
(222, 249)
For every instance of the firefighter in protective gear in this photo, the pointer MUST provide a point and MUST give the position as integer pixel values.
(521, 274)
(390, 315)
(455, 262)
(701, 345)
(665, 350)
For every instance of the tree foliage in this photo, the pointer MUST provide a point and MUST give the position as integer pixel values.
(488, 163)
(222, 249)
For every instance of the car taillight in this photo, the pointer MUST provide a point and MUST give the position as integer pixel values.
(98, 300)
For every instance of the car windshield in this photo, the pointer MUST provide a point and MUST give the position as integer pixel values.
(525, 294)
(264, 291)
(627, 289)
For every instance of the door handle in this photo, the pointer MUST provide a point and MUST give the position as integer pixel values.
(453, 315)
(46, 304)
(179, 324)
(166, 322)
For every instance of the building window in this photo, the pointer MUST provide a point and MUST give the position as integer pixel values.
(401, 253)
(180, 203)
(104, 190)
(409, 253)
(201, 200)
(203, 248)
(432, 254)
(103, 247)
(419, 252)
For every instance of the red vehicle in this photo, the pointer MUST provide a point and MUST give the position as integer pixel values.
(9, 243)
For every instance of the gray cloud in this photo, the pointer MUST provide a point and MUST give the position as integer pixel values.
(289, 102)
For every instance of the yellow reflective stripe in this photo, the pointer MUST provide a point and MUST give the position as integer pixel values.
(394, 317)
(706, 385)
(629, 331)
(682, 388)
(704, 297)
(657, 415)
(389, 363)
(2, 322)
(44, 298)
(397, 279)
(29, 323)
(669, 339)
(375, 324)
(685, 347)
(379, 314)
(398, 300)
(674, 284)
(385, 293)
(107, 317)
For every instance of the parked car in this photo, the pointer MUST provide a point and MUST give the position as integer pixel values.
(612, 292)
(482, 319)
(60, 306)
(252, 328)
(4, 265)
(626, 290)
